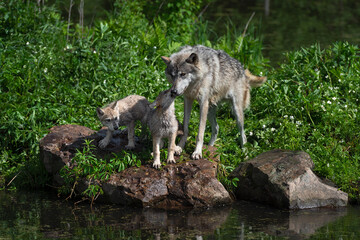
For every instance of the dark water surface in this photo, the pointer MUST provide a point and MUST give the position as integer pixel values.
(41, 215)
(290, 25)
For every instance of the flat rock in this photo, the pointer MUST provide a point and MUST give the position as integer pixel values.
(174, 186)
(284, 179)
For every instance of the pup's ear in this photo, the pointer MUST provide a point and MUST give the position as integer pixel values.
(99, 112)
(166, 60)
(193, 59)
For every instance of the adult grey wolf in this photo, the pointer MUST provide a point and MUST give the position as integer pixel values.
(123, 112)
(209, 76)
(163, 124)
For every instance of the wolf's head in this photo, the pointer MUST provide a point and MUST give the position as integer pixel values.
(109, 117)
(164, 100)
(181, 71)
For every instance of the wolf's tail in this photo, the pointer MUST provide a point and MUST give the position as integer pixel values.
(254, 81)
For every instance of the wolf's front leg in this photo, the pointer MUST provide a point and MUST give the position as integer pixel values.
(171, 148)
(187, 112)
(204, 108)
(104, 142)
(131, 135)
(156, 152)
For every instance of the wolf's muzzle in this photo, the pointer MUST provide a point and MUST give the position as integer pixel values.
(173, 92)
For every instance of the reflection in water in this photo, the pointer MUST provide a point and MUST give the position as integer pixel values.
(39, 216)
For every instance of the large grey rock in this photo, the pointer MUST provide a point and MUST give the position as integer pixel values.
(284, 179)
(181, 185)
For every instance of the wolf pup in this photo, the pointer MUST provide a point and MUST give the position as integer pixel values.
(209, 76)
(123, 112)
(163, 124)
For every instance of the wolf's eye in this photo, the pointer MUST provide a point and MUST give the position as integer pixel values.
(182, 74)
(107, 120)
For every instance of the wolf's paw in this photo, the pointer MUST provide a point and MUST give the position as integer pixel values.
(171, 161)
(178, 150)
(196, 155)
(130, 146)
(103, 143)
(156, 164)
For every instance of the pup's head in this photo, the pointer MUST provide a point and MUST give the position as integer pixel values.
(108, 117)
(182, 70)
(163, 100)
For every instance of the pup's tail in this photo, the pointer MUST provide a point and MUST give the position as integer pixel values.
(254, 81)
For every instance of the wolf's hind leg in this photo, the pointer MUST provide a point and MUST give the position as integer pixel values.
(214, 125)
(239, 114)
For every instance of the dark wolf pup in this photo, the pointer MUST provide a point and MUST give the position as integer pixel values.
(209, 76)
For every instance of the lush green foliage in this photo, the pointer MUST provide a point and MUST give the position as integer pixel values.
(309, 103)
(87, 168)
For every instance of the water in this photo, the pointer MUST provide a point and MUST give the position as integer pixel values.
(41, 215)
(284, 26)
(290, 25)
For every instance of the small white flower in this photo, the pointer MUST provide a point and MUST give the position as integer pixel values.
(316, 70)
(261, 73)
(27, 43)
(345, 106)
(154, 47)
(323, 108)
(264, 126)
(94, 51)
(339, 80)
(272, 129)
(145, 59)
(285, 116)
(328, 165)
(292, 117)
(105, 81)
(326, 76)
(298, 122)
(328, 102)
(334, 98)
(45, 70)
(250, 133)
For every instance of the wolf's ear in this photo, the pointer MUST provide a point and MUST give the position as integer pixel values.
(193, 59)
(166, 60)
(99, 112)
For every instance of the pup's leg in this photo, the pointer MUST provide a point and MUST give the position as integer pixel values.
(214, 125)
(239, 114)
(204, 108)
(171, 148)
(156, 152)
(187, 111)
(131, 134)
(104, 142)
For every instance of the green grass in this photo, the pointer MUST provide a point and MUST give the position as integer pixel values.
(309, 103)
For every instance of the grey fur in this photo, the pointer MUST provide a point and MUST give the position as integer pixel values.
(209, 76)
(123, 112)
(163, 124)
